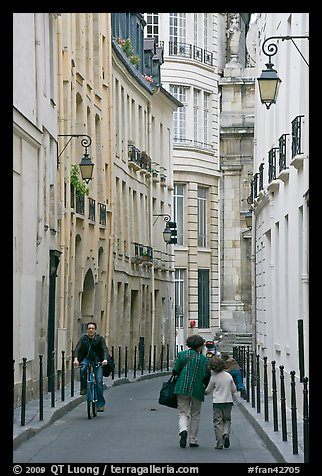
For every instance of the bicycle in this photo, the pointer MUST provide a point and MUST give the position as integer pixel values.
(91, 390)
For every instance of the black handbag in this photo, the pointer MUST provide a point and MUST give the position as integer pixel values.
(110, 367)
(167, 396)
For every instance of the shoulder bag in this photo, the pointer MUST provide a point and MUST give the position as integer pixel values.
(167, 396)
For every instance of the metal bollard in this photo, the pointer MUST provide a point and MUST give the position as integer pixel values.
(274, 396)
(247, 374)
(53, 386)
(253, 379)
(41, 389)
(62, 375)
(150, 358)
(23, 393)
(161, 357)
(243, 365)
(154, 356)
(113, 371)
(72, 375)
(134, 364)
(119, 361)
(293, 413)
(168, 356)
(283, 404)
(258, 390)
(126, 363)
(265, 390)
(305, 420)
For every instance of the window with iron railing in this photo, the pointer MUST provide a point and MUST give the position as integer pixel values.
(80, 204)
(91, 209)
(72, 196)
(272, 164)
(102, 213)
(255, 185)
(296, 136)
(282, 152)
(261, 176)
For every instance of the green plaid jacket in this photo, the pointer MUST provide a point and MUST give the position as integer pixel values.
(191, 379)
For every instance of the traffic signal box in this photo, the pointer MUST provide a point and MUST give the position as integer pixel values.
(173, 226)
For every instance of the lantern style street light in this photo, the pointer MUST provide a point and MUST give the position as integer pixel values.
(170, 231)
(249, 219)
(86, 165)
(269, 82)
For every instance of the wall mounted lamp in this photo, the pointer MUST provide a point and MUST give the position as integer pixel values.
(170, 231)
(249, 219)
(86, 165)
(269, 82)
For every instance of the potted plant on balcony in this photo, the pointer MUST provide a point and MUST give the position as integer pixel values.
(78, 185)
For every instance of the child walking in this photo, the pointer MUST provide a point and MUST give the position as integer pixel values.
(222, 386)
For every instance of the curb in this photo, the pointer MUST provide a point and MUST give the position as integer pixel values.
(281, 450)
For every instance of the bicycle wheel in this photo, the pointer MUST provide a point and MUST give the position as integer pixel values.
(94, 399)
(89, 399)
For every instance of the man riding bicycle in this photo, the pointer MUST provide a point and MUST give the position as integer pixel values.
(92, 347)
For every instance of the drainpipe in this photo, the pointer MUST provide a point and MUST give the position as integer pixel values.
(110, 181)
(305, 283)
(151, 233)
(253, 282)
(60, 109)
(220, 228)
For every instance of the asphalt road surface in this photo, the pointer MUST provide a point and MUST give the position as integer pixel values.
(135, 429)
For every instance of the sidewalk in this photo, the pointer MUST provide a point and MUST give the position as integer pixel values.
(282, 450)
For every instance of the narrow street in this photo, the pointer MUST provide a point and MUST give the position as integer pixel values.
(135, 429)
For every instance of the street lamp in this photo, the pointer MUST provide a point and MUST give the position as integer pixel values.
(170, 231)
(249, 219)
(167, 234)
(269, 82)
(86, 165)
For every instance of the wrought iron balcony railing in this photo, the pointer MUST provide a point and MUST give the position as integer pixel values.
(186, 50)
(296, 136)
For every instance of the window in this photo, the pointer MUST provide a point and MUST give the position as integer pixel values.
(178, 195)
(202, 216)
(152, 26)
(196, 95)
(195, 29)
(205, 118)
(203, 298)
(180, 115)
(179, 297)
(205, 31)
(177, 31)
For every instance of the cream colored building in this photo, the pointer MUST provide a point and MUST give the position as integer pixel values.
(193, 58)
(142, 297)
(85, 221)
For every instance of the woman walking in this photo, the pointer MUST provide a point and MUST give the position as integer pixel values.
(222, 386)
(192, 367)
